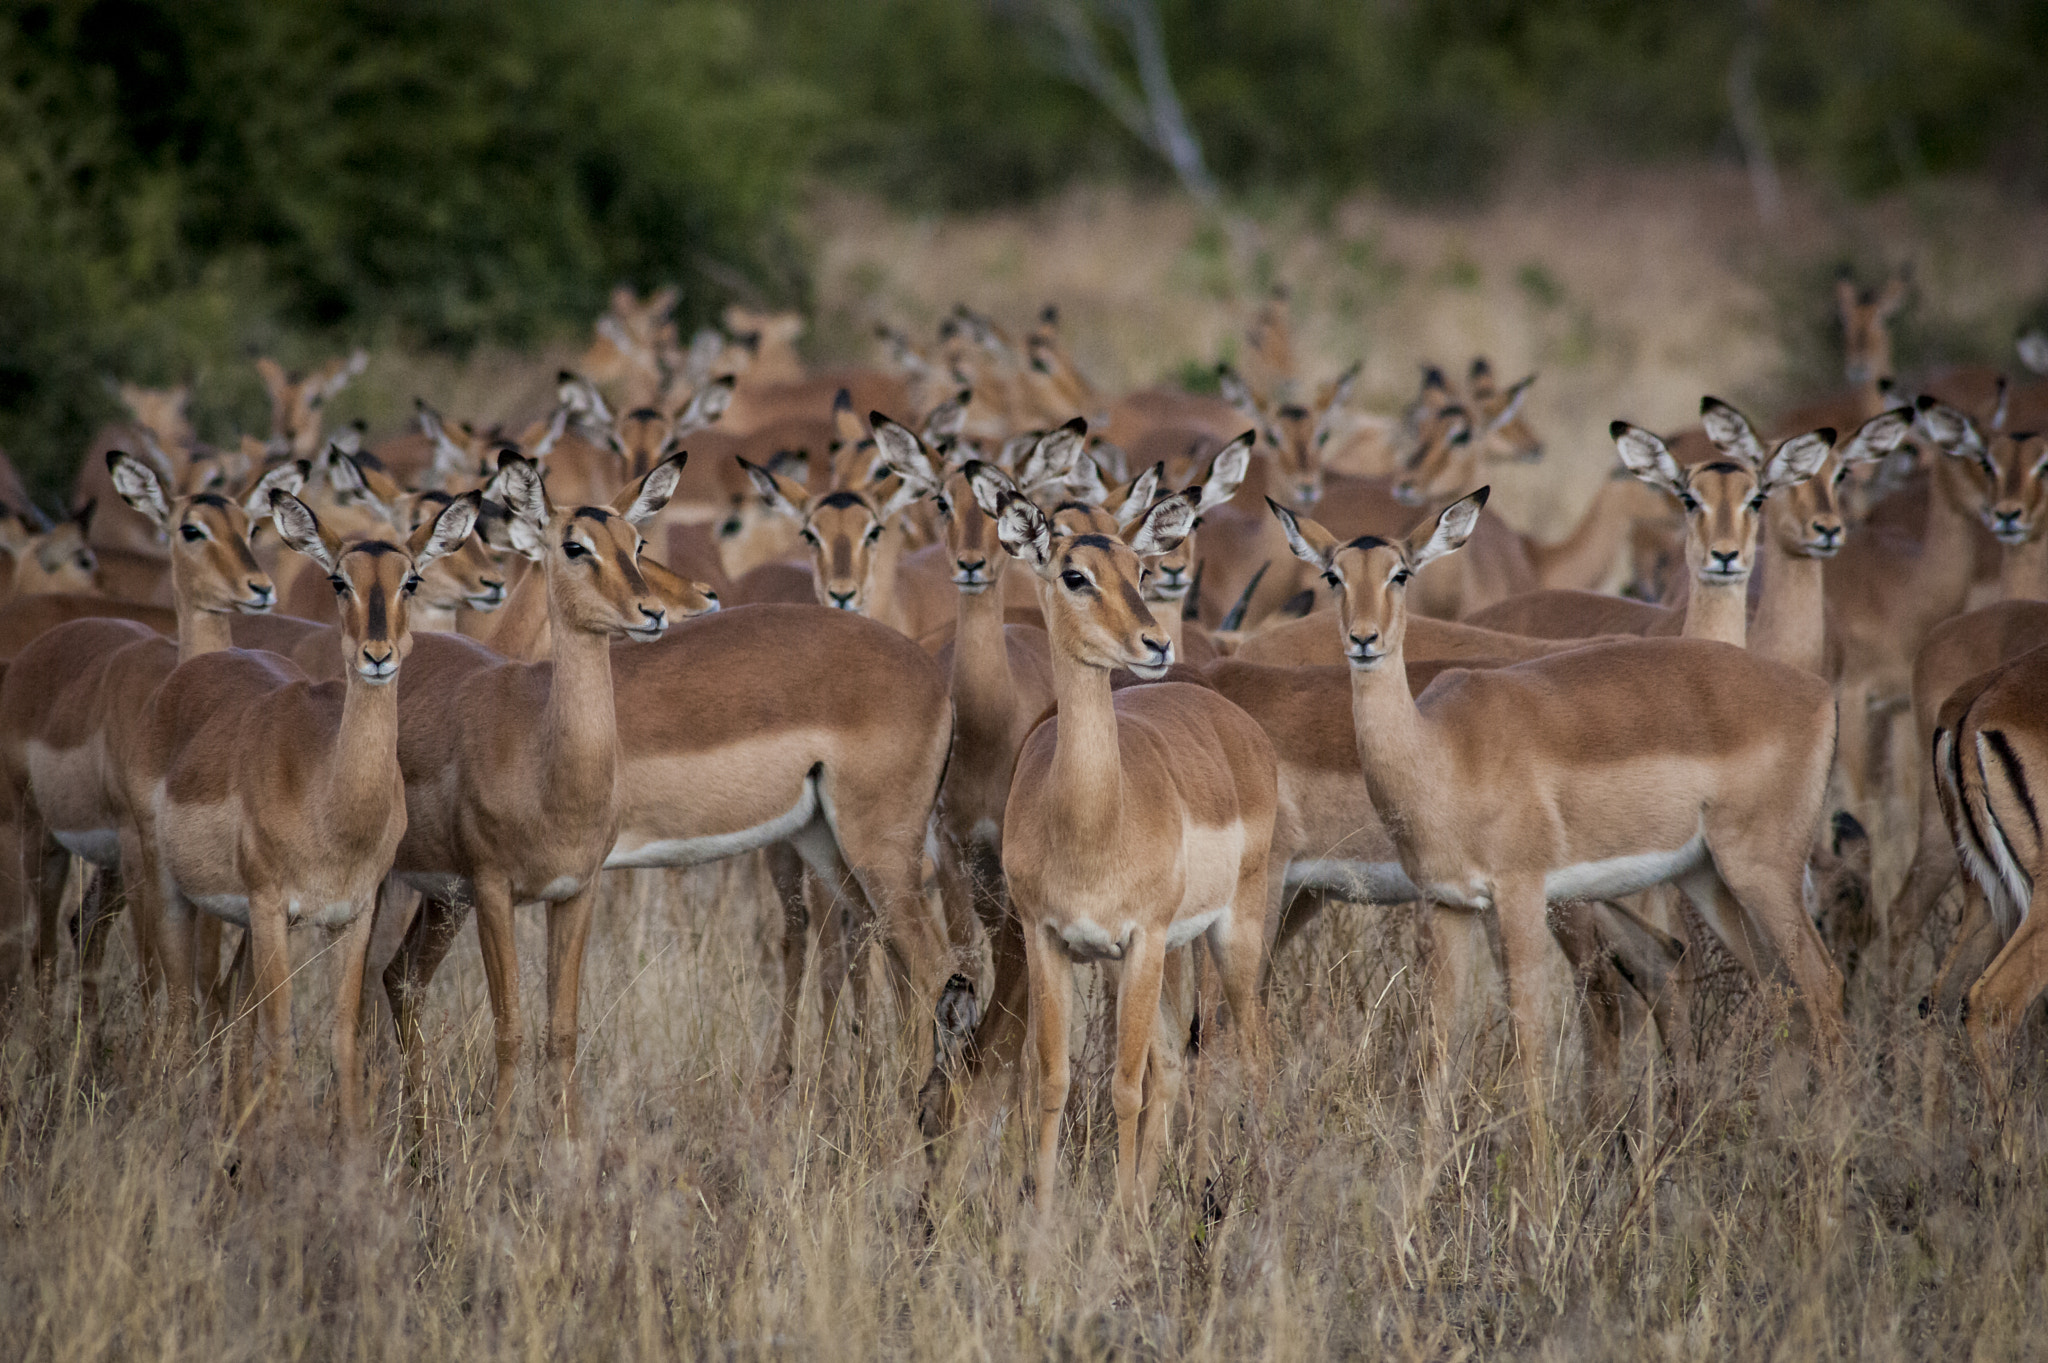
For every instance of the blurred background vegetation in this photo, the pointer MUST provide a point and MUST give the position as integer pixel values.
(185, 181)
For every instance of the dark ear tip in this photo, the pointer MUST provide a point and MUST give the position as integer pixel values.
(1826, 433)
(1078, 425)
(1925, 402)
(1709, 402)
(842, 401)
(874, 418)
(114, 457)
(1616, 429)
(1479, 497)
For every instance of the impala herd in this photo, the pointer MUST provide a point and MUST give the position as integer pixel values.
(1257, 653)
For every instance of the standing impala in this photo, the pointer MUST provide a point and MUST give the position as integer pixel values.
(1591, 774)
(1137, 822)
(511, 770)
(276, 799)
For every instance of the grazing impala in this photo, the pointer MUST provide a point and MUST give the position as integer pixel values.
(1138, 821)
(1593, 774)
(275, 799)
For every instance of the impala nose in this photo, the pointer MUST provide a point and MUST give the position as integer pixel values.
(262, 595)
(1724, 562)
(1827, 536)
(2006, 525)
(652, 623)
(379, 662)
(841, 601)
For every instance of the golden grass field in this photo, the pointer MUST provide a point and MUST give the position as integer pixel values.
(706, 1215)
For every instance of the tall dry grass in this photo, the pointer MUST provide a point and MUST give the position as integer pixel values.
(703, 1214)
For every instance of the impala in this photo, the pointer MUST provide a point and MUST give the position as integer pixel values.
(1592, 774)
(1137, 822)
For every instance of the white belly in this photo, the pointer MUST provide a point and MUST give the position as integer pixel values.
(717, 846)
(1624, 875)
(1369, 882)
(100, 846)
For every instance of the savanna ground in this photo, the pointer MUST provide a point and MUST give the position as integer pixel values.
(703, 1213)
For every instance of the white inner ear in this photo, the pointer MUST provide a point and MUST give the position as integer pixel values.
(1797, 460)
(1649, 459)
(139, 488)
(1453, 528)
(655, 490)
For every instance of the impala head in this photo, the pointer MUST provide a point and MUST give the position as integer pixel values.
(628, 336)
(460, 452)
(2006, 469)
(1371, 575)
(212, 568)
(296, 399)
(1294, 434)
(468, 575)
(161, 412)
(1173, 572)
(1866, 316)
(843, 527)
(374, 580)
(1805, 520)
(59, 559)
(591, 554)
(1442, 460)
(1724, 497)
(1094, 609)
(643, 437)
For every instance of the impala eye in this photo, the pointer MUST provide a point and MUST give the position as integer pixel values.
(945, 507)
(809, 538)
(1073, 581)
(1756, 503)
(874, 533)
(1336, 582)
(412, 583)
(192, 533)
(1400, 578)
(1688, 501)
(1841, 473)
(339, 584)
(572, 549)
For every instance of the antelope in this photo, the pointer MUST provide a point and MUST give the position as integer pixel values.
(1865, 315)
(499, 824)
(75, 697)
(296, 400)
(1596, 773)
(275, 798)
(160, 432)
(1988, 743)
(59, 558)
(1137, 822)
(1730, 502)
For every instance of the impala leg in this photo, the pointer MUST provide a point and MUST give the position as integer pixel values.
(1165, 1068)
(427, 942)
(1999, 1000)
(96, 906)
(1137, 1024)
(1852, 748)
(270, 969)
(348, 1016)
(53, 868)
(145, 909)
(1051, 975)
(1932, 872)
(786, 871)
(174, 940)
(1537, 974)
(501, 975)
(1771, 898)
(999, 1041)
(1977, 940)
(568, 936)
(1596, 983)
(206, 942)
(1458, 951)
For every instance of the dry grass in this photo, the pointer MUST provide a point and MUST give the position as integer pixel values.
(705, 1216)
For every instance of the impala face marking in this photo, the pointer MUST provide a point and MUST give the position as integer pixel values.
(209, 534)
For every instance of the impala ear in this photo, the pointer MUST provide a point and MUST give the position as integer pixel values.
(1227, 472)
(989, 485)
(299, 528)
(946, 420)
(707, 406)
(898, 501)
(287, 477)
(1797, 460)
(1085, 482)
(1311, 543)
(1236, 391)
(1454, 525)
(1164, 525)
(1511, 408)
(1129, 502)
(1878, 437)
(905, 455)
(781, 494)
(1647, 457)
(641, 502)
(275, 380)
(1052, 459)
(1950, 429)
(445, 533)
(2033, 349)
(140, 487)
(518, 484)
(1024, 532)
(1339, 391)
(1731, 432)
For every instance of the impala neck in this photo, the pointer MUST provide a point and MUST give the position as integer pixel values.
(1398, 748)
(1718, 610)
(202, 631)
(364, 762)
(1586, 556)
(579, 732)
(984, 688)
(1167, 615)
(1087, 767)
(2023, 572)
(1791, 612)
(882, 575)
(517, 629)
